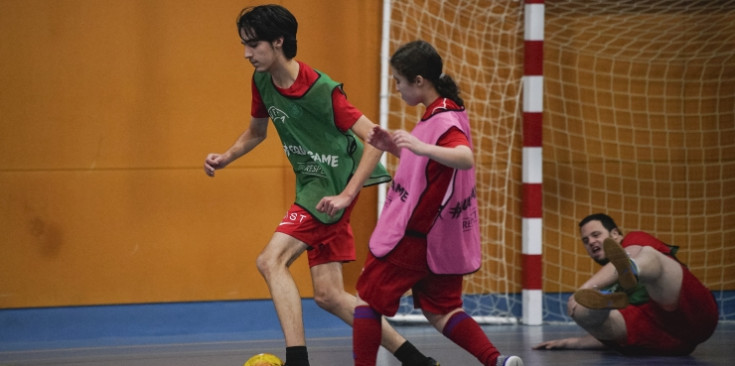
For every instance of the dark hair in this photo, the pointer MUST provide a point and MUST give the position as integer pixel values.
(268, 23)
(420, 58)
(606, 221)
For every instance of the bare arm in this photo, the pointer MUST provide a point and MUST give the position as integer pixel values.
(605, 277)
(382, 139)
(370, 158)
(458, 157)
(248, 140)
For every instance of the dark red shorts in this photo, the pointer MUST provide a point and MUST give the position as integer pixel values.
(382, 283)
(655, 331)
(327, 242)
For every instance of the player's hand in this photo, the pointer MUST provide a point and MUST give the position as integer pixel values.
(213, 162)
(586, 342)
(381, 139)
(566, 343)
(404, 139)
(331, 205)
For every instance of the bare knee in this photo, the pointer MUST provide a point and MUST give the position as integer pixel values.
(328, 299)
(602, 324)
(262, 264)
(278, 255)
(329, 292)
(591, 320)
(584, 317)
(645, 254)
(267, 264)
(322, 299)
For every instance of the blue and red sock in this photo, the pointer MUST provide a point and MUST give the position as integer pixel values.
(366, 334)
(466, 333)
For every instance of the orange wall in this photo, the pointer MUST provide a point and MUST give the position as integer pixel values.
(107, 111)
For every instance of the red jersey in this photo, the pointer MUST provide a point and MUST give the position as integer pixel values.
(345, 114)
(645, 239)
(652, 330)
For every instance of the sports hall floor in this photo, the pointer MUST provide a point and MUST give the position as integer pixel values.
(333, 347)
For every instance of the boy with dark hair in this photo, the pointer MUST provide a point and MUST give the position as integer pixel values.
(319, 130)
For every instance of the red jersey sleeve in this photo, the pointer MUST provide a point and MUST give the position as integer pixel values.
(257, 107)
(345, 114)
(452, 138)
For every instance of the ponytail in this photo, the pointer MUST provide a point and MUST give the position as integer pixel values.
(447, 88)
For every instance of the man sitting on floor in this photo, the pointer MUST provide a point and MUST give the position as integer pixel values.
(643, 301)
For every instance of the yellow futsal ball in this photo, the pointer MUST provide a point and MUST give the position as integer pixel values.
(264, 359)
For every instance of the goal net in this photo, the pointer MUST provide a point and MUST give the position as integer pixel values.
(481, 44)
(639, 122)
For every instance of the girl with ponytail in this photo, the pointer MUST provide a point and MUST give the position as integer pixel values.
(427, 237)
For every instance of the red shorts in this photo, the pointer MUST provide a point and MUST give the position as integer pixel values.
(327, 242)
(382, 283)
(655, 331)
